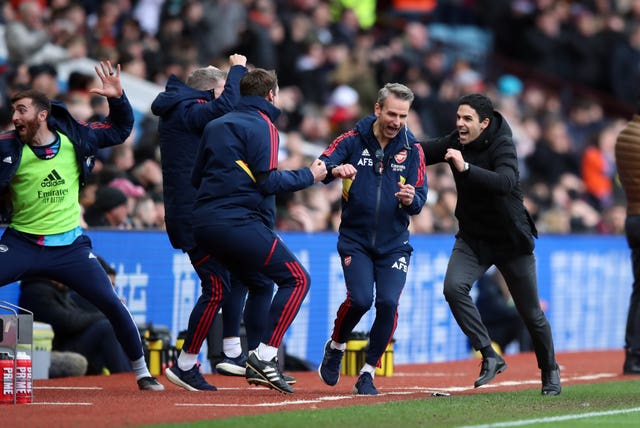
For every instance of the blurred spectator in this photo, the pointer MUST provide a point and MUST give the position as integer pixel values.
(613, 219)
(583, 44)
(260, 34)
(554, 154)
(625, 67)
(444, 219)
(585, 118)
(122, 157)
(423, 222)
(343, 109)
(133, 192)
(148, 174)
(291, 152)
(109, 210)
(145, 214)
(27, 38)
(44, 78)
(547, 61)
(307, 210)
(599, 166)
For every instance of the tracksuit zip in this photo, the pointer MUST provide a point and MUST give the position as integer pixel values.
(377, 212)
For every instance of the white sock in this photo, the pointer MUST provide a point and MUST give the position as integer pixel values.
(139, 366)
(338, 346)
(231, 347)
(266, 352)
(187, 361)
(367, 368)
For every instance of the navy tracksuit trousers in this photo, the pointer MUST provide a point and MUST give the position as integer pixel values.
(365, 270)
(254, 310)
(252, 251)
(214, 285)
(219, 289)
(75, 266)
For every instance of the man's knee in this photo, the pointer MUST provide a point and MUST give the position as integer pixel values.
(453, 290)
(360, 305)
(386, 305)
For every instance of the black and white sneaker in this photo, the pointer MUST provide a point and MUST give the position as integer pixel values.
(149, 383)
(254, 378)
(266, 373)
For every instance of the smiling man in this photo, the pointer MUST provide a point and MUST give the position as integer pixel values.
(384, 183)
(45, 162)
(494, 229)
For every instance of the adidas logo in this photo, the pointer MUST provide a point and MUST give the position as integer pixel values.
(271, 374)
(365, 152)
(52, 180)
(92, 256)
(8, 159)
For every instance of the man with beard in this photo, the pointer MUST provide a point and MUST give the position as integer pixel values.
(43, 164)
(494, 228)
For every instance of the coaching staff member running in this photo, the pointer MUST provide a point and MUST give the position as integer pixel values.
(44, 162)
(374, 238)
(494, 229)
(234, 172)
(184, 109)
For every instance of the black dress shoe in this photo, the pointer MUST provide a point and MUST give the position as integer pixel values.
(631, 365)
(551, 382)
(491, 366)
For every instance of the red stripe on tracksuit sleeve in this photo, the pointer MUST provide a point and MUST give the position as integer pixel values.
(293, 304)
(204, 324)
(422, 167)
(335, 143)
(273, 142)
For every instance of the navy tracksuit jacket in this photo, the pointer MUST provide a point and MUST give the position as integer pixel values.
(73, 265)
(373, 242)
(235, 174)
(184, 112)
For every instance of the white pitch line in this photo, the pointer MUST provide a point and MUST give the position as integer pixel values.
(407, 390)
(283, 403)
(336, 397)
(45, 403)
(68, 387)
(428, 374)
(554, 418)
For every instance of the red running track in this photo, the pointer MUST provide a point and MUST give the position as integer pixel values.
(114, 401)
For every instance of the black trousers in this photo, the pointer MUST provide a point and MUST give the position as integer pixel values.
(632, 333)
(519, 272)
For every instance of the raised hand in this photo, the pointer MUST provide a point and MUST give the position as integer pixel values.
(111, 86)
(237, 59)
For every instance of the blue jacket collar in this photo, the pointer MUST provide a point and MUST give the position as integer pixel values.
(252, 101)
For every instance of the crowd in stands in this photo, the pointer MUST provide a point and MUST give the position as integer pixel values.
(563, 73)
